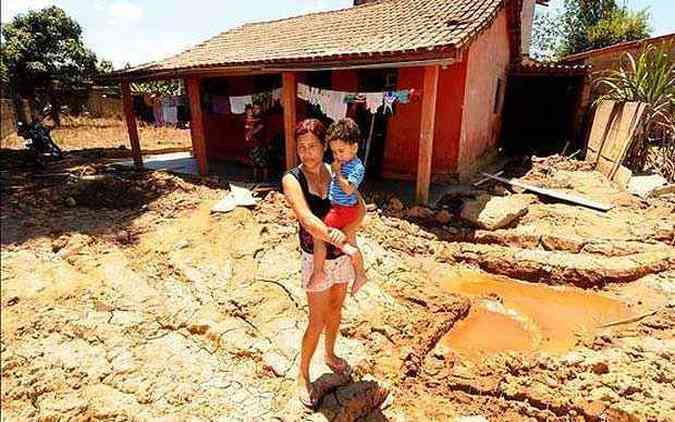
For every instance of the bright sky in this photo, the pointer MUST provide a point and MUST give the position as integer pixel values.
(138, 31)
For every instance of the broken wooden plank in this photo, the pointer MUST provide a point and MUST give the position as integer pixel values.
(599, 130)
(553, 194)
(622, 129)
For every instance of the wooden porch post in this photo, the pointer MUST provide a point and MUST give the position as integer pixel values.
(288, 96)
(132, 128)
(197, 124)
(426, 144)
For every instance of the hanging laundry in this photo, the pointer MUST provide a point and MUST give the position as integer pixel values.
(403, 96)
(157, 111)
(336, 108)
(276, 95)
(220, 104)
(389, 100)
(374, 101)
(171, 114)
(303, 92)
(263, 99)
(355, 98)
(238, 104)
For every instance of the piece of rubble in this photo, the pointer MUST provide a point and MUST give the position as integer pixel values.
(442, 217)
(643, 186)
(395, 204)
(493, 212)
(419, 212)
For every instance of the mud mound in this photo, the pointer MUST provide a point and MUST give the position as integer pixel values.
(116, 192)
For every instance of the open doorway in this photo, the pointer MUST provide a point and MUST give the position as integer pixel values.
(541, 114)
(374, 126)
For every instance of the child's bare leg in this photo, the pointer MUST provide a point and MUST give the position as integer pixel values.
(319, 258)
(357, 262)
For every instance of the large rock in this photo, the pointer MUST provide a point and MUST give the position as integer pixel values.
(494, 212)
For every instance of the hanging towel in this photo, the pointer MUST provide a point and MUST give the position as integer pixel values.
(303, 92)
(336, 108)
(238, 104)
(374, 101)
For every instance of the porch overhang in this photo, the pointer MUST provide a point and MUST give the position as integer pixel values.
(442, 57)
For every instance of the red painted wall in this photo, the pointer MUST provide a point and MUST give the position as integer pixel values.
(488, 60)
(403, 131)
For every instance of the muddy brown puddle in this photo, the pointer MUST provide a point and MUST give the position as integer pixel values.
(509, 315)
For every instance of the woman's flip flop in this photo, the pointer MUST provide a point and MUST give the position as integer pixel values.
(307, 398)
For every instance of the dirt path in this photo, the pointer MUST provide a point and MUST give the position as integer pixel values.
(158, 309)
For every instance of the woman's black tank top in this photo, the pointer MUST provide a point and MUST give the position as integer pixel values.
(319, 207)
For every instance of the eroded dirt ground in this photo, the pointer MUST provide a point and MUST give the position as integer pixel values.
(123, 298)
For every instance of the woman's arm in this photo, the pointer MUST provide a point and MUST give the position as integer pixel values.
(307, 219)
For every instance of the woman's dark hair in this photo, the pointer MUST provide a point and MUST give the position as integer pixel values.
(345, 130)
(313, 126)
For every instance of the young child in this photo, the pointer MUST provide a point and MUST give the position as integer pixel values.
(343, 137)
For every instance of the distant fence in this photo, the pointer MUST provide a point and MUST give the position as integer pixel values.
(8, 116)
(100, 105)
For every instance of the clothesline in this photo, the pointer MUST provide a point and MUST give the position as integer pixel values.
(332, 103)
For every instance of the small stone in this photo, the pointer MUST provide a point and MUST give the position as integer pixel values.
(600, 368)
(443, 217)
(277, 363)
(494, 212)
(395, 204)
(182, 244)
(70, 201)
(122, 236)
(419, 212)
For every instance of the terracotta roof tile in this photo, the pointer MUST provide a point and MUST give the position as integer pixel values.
(377, 28)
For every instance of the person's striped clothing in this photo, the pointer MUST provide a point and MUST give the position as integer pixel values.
(354, 172)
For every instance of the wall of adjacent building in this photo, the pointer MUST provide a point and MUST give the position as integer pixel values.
(488, 60)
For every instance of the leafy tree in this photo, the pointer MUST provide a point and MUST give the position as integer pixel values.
(621, 25)
(104, 66)
(546, 36)
(43, 55)
(585, 25)
(160, 88)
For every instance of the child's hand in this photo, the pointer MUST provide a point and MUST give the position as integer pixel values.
(337, 167)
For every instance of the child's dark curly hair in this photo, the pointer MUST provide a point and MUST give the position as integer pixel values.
(345, 130)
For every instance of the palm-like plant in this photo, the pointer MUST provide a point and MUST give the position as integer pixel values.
(649, 78)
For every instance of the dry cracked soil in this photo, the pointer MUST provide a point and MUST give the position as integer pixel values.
(124, 298)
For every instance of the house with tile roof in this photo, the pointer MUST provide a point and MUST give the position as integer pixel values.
(454, 56)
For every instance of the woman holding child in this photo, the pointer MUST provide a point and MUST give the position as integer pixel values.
(330, 210)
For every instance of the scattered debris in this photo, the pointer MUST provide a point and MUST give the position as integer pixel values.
(110, 295)
(494, 212)
(236, 197)
(553, 194)
(643, 186)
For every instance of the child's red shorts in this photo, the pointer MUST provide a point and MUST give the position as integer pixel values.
(340, 216)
